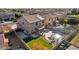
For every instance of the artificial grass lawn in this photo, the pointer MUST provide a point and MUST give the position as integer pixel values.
(75, 40)
(39, 44)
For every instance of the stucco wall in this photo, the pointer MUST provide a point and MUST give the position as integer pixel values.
(47, 21)
(22, 23)
(1, 28)
(1, 40)
(29, 27)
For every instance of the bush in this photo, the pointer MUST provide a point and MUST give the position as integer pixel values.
(18, 15)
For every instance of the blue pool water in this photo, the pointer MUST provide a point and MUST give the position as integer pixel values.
(69, 29)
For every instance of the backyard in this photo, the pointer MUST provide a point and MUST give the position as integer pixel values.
(39, 44)
(75, 40)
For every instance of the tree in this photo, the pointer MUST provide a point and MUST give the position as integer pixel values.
(74, 11)
(61, 21)
(18, 15)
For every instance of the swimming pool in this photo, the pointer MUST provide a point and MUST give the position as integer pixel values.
(69, 29)
(21, 33)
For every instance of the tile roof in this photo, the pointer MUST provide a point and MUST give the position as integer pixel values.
(33, 18)
(6, 15)
(49, 15)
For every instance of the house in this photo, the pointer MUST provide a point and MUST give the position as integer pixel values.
(5, 27)
(31, 23)
(6, 17)
(3, 41)
(1, 30)
(50, 20)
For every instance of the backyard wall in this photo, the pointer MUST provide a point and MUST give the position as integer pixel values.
(71, 36)
(21, 42)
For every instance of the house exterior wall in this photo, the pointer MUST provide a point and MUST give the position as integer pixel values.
(1, 28)
(36, 25)
(1, 40)
(22, 23)
(48, 22)
(29, 27)
(39, 24)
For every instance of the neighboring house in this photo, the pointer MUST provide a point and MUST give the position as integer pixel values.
(60, 14)
(5, 27)
(6, 17)
(3, 41)
(31, 23)
(1, 30)
(50, 20)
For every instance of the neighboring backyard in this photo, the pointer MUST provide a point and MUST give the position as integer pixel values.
(39, 44)
(75, 40)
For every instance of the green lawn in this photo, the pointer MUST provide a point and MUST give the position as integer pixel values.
(39, 43)
(75, 40)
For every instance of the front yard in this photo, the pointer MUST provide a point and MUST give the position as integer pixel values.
(39, 44)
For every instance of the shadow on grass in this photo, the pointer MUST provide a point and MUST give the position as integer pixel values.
(30, 38)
